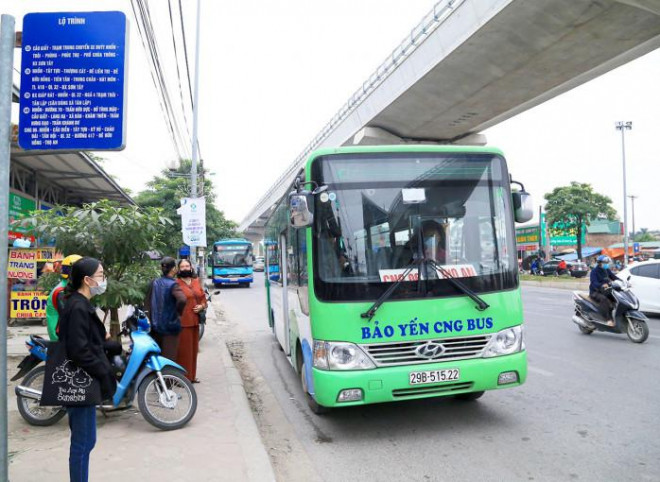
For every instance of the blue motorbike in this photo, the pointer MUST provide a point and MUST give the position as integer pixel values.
(166, 398)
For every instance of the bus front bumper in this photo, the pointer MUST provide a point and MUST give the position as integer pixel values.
(232, 281)
(389, 384)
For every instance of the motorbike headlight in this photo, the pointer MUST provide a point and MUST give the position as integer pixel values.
(332, 355)
(505, 342)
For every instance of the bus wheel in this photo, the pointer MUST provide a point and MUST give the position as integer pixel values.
(311, 403)
(469, 397)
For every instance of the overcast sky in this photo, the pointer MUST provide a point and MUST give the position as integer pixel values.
(273, 73)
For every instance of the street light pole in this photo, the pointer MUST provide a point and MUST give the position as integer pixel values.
(7, 39)
(622, 126)
(632, 200)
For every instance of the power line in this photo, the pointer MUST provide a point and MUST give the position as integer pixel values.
(182, 144)
(145, 28)
(139, 20)
(185, 52)
(176, 62)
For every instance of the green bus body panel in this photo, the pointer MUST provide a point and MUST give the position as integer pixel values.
(379, 385)
(417, 319)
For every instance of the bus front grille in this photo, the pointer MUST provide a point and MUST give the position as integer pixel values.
(431, 390)
(411, 352)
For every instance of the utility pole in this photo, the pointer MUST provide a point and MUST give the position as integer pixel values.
(7, 40)
(195, 151)
(623, 126)
(195, 145)
(540, 232)
(632, 200)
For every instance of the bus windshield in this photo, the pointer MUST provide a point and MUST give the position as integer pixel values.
(446, 213)
(230, 255)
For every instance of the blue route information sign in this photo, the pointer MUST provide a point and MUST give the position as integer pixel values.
(73, 81)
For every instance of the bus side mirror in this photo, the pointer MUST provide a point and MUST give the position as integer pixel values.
(523, 208)
(301, 210)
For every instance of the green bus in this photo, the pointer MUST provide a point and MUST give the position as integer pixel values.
(397, 274)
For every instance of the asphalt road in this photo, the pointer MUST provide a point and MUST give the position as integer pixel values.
(589, 410)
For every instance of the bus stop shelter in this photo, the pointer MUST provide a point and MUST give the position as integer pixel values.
(60, 177)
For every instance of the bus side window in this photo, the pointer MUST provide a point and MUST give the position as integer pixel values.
(301, 254)
(281, 257)
(272, 260)
(291, 264)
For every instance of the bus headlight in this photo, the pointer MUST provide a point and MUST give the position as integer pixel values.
(333, 355)
(505, 342)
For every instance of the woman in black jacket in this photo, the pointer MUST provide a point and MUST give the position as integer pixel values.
(84, 334)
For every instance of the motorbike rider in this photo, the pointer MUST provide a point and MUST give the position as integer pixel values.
(52, 308)
(601, 278)
(562, 268)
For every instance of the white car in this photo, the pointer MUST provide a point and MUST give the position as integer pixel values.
(258, 264)
(645, 283)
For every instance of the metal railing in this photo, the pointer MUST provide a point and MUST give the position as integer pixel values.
(429, 23)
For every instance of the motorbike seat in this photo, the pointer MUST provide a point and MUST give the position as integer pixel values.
(40, 341)
(585, 296)
(591, 303)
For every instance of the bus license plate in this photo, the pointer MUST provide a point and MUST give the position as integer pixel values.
(434, 376)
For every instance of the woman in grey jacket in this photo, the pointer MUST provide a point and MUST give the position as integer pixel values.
(165, 303)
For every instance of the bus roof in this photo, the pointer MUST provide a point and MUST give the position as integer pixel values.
(233, 241)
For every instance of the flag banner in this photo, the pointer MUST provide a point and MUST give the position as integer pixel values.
(193, 220)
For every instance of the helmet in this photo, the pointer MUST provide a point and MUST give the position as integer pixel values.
(603, 259)
(67, 263)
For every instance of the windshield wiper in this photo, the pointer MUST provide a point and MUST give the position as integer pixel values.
(386, 295)
(481, 304)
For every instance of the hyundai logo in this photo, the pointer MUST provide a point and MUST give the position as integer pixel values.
(430, 350)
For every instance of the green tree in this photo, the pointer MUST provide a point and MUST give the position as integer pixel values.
(575, 206)
(167, 189)
(118, 236)
(644, 236)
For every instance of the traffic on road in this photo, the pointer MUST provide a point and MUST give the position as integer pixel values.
(571, 420)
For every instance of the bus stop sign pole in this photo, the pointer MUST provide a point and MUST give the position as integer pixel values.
(7, 38)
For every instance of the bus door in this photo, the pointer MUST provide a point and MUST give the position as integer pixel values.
(279, 298)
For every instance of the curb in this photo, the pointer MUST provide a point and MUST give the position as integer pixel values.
(258, 464)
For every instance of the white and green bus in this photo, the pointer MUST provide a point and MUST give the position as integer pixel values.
(397, 274)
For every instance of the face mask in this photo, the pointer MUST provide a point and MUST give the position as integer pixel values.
(99, 289)
(606, 266)
(185, 273)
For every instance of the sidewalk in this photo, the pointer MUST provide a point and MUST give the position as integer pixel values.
(221, 443)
